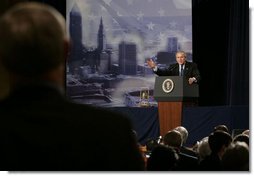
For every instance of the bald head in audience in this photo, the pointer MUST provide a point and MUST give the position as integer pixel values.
(183, 132)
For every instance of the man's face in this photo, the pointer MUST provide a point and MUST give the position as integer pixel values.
(180, 58)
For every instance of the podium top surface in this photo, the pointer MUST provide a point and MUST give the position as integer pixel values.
(174, 88)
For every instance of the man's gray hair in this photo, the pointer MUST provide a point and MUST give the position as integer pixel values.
(184, 133)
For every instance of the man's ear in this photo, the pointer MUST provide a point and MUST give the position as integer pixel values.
(67, 48)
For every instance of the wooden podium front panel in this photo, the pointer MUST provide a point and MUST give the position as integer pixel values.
(170, 116)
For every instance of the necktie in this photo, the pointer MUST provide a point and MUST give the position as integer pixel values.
(181, 71)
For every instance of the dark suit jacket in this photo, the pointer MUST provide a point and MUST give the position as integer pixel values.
(211, 163)
(188, 151)
(41, 130)
(187, 162)
(190, 70)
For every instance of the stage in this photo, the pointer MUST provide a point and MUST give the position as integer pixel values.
(199, 121)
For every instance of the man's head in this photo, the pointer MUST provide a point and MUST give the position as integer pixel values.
(181, 57)
(219, 141)
(173, 138)
(33, 40)
(236, 157)
(221, 127)
(183, 132)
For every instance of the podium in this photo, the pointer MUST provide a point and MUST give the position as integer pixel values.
(172, 93)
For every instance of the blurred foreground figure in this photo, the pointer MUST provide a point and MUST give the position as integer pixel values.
(40, 129)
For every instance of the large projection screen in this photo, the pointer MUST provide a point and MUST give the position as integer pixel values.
(110, 42)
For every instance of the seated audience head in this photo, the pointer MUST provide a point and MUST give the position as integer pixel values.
(241, 138)
(162, 158)
(247, 132)
(236, 157)
(219, 141)
(184, 133)
(173, 138)
(33, 44)
(222, 128)
(203, 148)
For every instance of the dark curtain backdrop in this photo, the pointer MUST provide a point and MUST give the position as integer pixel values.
(221, 50)
(238, 54)
(60, 5)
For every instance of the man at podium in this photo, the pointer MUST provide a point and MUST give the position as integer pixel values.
(182, 68)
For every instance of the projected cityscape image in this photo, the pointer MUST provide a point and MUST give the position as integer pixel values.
(111, 41)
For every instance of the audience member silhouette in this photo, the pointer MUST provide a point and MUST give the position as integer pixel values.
(186, 162)
(162, 158)
(247, 132)
(184, 149)
(183, 132)
(222, 128)
(173, 138)
(241, 138)
(203, 149)
(218, 142)
(236, 157)
(40, 129)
